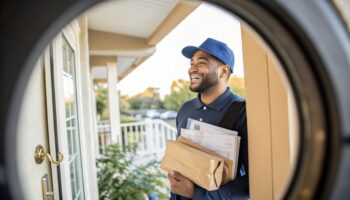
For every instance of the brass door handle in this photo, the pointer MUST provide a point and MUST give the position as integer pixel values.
(40, 155)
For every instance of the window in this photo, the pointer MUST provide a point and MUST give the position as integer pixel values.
(71, 120)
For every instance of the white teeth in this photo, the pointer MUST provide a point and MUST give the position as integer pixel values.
(195, 76)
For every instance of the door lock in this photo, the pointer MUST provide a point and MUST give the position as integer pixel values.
(47, 194)
(40, 155)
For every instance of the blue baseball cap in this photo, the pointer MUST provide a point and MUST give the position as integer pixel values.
(215, 48)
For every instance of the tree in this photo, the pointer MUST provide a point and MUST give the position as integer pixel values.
(124, 104)
(101, 93)
(237, 85)
(180, 93)
(148, 99)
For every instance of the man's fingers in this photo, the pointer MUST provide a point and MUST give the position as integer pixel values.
(181, 185)
(172, 174)
(178, 176)
(171, 179)
(174, 187)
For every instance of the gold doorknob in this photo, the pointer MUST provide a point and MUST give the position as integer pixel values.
(40, 155)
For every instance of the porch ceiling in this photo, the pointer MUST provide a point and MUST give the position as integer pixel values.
(135, 18)
(130, 29)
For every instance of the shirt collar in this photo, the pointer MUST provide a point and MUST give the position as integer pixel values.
(217, 104)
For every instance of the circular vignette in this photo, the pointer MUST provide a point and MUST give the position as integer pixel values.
(315, 84)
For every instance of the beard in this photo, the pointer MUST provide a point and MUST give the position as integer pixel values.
(207, 82)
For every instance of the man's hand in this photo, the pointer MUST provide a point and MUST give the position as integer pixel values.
(181, 185)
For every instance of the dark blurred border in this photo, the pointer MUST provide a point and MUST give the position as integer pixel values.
(314, 28)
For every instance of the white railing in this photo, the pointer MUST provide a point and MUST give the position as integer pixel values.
(104, 134)
(150, 137)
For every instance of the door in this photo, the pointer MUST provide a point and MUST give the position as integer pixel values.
(33, 130)
(66, 119)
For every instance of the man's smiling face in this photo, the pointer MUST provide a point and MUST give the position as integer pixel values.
(203, 71)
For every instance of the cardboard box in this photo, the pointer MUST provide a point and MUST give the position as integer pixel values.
(202, 168)
(227, 174)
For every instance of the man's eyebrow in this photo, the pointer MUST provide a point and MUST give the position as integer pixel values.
(201, 58)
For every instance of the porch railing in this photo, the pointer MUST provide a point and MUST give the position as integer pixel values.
(150, 137)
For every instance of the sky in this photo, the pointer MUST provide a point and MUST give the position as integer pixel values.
(168, 64)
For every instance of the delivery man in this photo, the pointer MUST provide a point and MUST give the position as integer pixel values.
(211, 66)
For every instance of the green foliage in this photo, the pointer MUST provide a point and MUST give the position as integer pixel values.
(135, 103)
(126, 119)
(180, 94)
(139, 102)
(124, 104)
(101, 101)
(148, 99)
(118, 179)
(237, 85)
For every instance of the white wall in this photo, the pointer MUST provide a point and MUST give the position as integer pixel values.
(32, 130)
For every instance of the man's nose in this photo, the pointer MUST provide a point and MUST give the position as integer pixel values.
(193, 67)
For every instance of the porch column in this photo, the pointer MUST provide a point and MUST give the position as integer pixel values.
(113, 101)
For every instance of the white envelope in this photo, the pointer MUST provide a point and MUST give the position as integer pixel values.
(222, 141)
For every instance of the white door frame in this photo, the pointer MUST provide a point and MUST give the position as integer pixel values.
(51, 117)
(57, 123)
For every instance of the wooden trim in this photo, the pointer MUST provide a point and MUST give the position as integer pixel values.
(101, 60)
(100, 41)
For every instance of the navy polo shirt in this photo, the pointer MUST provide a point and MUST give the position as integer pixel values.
(211, 113)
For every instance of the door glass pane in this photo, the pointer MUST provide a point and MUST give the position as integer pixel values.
(70, 102)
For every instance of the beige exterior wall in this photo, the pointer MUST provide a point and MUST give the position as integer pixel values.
(270, 115)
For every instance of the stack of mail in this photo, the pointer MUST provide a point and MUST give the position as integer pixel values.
(222, 141)
(205, 154)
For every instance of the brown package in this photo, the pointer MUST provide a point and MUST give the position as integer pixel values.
(228, 164)
(203, 169)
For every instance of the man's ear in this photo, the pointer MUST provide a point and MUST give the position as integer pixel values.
(225, 71)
